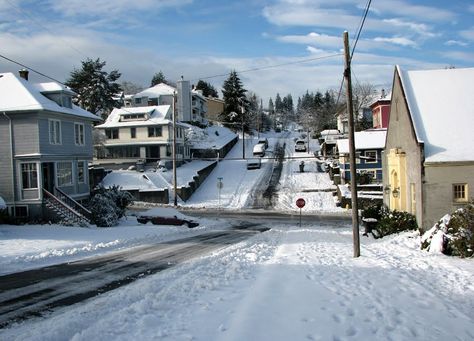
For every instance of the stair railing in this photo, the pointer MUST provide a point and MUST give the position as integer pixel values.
(72, 203)
(59, 203)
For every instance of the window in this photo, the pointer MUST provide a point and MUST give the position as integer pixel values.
(137, 100)
(64, 171)
(460, 192)
(370, 156)
(132, 117)
(19, 211)
(81, 173)
(155, 131)
(413, 198)
(357, 157)
(29, 176)
(133, 133)
(67, 101)
(79, 134)
(54, 132)
(112, 134)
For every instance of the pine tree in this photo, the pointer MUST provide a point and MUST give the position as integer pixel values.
(95, 88)
(207, 89)
(234, 98)
(158, 78)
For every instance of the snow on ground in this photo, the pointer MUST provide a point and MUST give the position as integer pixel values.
(286, 284)
(33, 246)
(237, 180)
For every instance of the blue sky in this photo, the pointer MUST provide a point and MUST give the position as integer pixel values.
(202, 38)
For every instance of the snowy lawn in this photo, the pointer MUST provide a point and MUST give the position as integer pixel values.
(286, 284)
(32, 246)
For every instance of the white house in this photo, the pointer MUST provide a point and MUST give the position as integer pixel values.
(142, 133)
(190, 105)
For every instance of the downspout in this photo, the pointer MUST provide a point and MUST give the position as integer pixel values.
(12, 162)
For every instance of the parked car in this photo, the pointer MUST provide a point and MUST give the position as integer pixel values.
(157, 220)
(259, 149)
(300, 146)
(263, 141)
(254, 163)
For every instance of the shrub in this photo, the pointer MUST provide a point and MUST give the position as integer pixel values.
(453, 234)
(108, 205)
(388, 222)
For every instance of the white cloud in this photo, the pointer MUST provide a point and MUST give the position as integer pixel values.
(455, 43)
(467, 57)
(404, 8)
(312, 38)
(397, 41)
(112, 8)
(468, 34)
(421, 29)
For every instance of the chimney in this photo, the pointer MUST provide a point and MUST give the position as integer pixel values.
(24, 74)
(383, 93)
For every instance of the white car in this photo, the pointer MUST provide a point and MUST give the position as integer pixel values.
(300, 146)
(259, 149)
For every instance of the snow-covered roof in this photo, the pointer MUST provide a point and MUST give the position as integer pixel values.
(441, 104)
(156, 91)
(17, 94)
(53, 87)
(157, 114)
(367, 139)
(383, 96)
(330, 132)
(214, 137)
(133, 180)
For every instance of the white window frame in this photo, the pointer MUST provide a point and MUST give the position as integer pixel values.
(79, 134)
(54, 131)
(30, 172)
(84, 167)
(458, 189)
(367, 157)
(63, 174)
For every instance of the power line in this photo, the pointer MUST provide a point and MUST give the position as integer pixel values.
(31, 69)
(360, 28)
(273, 66)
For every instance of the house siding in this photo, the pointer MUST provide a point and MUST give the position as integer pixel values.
(401, 137)
(6, 176)
(439, 180)
(67, 146)
(25, 133)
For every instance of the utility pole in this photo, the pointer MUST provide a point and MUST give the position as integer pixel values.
(243, 131)
(174, 152)
(350, 112)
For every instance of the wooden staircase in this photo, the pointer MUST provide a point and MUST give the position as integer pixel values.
(69, 211)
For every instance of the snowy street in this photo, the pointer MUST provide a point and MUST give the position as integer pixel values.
(286, 283)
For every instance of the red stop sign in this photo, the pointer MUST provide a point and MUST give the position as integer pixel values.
(300, 202)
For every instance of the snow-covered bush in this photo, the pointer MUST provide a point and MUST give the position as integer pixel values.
(388, 222)
(453, 234)
(108, 205)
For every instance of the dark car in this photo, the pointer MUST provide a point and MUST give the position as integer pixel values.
(156, 220)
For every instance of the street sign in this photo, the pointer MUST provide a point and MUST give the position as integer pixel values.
(300, 202)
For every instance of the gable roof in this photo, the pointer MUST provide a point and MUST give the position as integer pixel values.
(441, 106)
(367, 139)
(156, 91)
(17, 95)
(157, 114)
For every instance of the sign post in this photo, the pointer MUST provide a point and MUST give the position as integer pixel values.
(220, 184)
(300, 202)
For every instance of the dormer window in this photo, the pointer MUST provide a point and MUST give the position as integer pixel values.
(133, 117)
(66, 101)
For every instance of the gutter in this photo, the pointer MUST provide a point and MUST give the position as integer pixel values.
(12, 162)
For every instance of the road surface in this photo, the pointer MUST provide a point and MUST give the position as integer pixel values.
(35, 292)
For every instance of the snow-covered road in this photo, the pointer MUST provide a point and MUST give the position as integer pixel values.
(287, 283)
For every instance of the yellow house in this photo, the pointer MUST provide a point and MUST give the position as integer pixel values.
(429, 152)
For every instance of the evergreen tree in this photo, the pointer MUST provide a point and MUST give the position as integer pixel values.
(95, 87)
(207, 89)
(130, 88)
(158, 78)
(234, 98)
(278, 104)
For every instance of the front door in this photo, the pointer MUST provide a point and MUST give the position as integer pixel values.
(48, 176)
